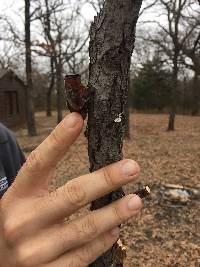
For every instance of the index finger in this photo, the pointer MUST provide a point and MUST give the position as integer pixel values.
(44, 158)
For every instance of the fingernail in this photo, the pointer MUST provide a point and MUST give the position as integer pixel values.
(130, 168)
(134, 203)
(115, 231)
(71, 120)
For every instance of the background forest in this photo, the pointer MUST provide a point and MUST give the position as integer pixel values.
(43, 40)
(165, 66)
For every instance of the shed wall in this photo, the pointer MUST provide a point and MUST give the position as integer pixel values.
(12, 101)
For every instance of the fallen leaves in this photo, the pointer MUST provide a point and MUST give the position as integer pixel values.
(163, 234)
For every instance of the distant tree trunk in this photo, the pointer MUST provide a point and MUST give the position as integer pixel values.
(59, 85)
(49, 91)
(112, 37)
(195, 95)
(54, 62)
(171, 120)
(48, 103)
(174, 94)
(29, 86)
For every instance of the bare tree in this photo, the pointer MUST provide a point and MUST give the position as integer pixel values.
(6, 59)
(191, 51)
(29, 82)
(191, 47)
(96, 4)
(62, 42)
(112, 41)
(12, 45)
(50, 88)
(170, 39)
(16, 40)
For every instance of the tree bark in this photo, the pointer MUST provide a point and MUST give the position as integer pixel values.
(48, 103)
(112, 37)
(55, 61)
(127, 115)
(59, 86)
(29, 86)
(49, 92)
(127, 122)
(174, 94)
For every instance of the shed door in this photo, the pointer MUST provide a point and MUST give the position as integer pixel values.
(12, 104)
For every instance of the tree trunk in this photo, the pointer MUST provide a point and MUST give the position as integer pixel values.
(174, 95)
(195, 95)
(127, 116)
(49, 92)
(29, 87)
(171, 121)
(127, 122)
(59, 86)
(48, 103)
(112, 37)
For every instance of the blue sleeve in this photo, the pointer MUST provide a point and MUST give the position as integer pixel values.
(11, 156)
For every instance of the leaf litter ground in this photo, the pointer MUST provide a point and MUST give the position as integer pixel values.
(164, 233)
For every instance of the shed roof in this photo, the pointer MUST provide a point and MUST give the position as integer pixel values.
(4, 72)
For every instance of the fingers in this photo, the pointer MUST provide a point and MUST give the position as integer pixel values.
(58, 239)
(81, 191)
(46, 156)
(44, 211)
(88, 253)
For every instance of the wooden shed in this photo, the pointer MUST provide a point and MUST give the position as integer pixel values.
(12, 99)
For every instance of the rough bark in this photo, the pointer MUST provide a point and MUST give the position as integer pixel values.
(127, 115)
(127, 122)
(174, 95)
(48, 103)
(29, 83)
(112, 37)
(55, 60)
(59, 85)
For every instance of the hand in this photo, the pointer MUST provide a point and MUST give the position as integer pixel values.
(32, 228)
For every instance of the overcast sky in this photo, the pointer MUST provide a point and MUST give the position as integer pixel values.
(11, 9)
(11, 6)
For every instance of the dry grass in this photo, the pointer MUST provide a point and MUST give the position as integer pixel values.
(162, 235)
